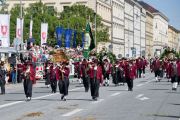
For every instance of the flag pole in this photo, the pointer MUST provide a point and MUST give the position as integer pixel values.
(95, 39)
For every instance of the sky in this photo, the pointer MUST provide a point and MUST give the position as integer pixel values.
(170, 8)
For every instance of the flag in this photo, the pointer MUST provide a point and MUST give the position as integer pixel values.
(4, 30)
(74, 39)
(89, 40)
(59, 32)
(82, 35)
(44, 30)
(30, 29)
(19, 24)
(68, 33)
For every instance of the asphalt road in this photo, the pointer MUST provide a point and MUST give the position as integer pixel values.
(150, 100)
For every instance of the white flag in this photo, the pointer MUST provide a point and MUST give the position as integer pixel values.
(18, 28)
(4, 30)
(44, 30)
(31, 27)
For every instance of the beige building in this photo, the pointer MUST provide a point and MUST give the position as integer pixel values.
(149, 35)
(173, 38)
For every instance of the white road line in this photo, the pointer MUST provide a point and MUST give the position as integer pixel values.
(72, 112)
(140, 95)
(139, 85)
(144, 98)
(9, 104)
(14, 103)
(115, 94)
(98, 101)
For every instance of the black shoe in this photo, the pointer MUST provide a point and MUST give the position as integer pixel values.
(95, 99)
(62, 97)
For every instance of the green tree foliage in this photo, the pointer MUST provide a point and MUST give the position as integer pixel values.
(77, 16)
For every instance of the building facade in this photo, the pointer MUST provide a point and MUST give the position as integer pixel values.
(129, 28)
(173, 38)
(160, 32)
(118, 27)
(137, 30)
(143, 33)
(149, 35)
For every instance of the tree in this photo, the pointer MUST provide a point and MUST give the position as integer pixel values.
(39, 13)
(77, 16)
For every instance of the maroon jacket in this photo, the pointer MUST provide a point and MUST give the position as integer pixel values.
(58, 74)
(156, 65)
(91, 72)
(178, 68)
(67, 72)
(99, 75)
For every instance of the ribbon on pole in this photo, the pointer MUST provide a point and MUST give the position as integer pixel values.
(4, 30)
(59, 32)
(74, 39)
(68, 33)
(44, 30)
(30, 29)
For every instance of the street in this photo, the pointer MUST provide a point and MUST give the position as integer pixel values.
(150, 100)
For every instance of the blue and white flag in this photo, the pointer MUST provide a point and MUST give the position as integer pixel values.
(59, 33)
(74, 39)
(68, 34)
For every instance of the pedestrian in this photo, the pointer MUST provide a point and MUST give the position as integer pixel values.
(85, 76)
(156, 68)
(64, 80)
(106, 72)
(173, 74)
(96, 80)
(129, 75)
(116, 73)
(28, 81)
(178, 71)
(53, 79)
(47, 80)
(2, 78)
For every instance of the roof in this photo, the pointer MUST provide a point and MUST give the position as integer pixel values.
(152, 9)
(173, 28)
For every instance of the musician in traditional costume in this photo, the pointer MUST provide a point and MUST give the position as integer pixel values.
(178, 71)
(129, 75)
(156, 68)
(28, 81)
(85, 76)
(96, 79)
(53, 80)
(106, 72)
(64, 72)
(116, 73)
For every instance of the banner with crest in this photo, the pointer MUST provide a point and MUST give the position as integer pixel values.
(18, 28)
(44, 30)
(4, 30)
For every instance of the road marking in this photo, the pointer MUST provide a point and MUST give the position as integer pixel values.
(139, 85)
(144, 98)
(98, 101)
(115, 94)
(148, 82)
(140, 95)
(9, 104)
(72, 112)
(14, 103)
